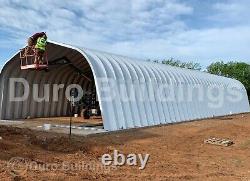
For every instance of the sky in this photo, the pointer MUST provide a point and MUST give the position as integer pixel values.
(202, 31)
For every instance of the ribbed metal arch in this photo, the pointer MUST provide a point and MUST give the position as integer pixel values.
(124, 91)
(123, 76)
(143, 92)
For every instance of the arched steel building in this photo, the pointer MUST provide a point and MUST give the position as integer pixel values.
(131, 93)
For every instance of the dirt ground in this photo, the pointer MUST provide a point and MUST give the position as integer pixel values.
(177, 152)
(80, 126)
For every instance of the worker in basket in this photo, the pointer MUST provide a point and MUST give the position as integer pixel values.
(33, 39)
(40, 48)
(32, 42)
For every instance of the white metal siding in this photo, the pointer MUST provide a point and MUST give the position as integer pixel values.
(134, 75)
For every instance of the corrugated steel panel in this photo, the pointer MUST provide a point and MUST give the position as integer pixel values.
(126, 77)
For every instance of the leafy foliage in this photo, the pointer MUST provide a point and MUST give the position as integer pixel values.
(237, 70)
(178, 63)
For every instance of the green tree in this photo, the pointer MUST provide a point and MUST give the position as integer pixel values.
(178, 63)
(236, 70)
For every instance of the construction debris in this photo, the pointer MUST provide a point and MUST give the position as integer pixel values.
(219, 141)
(47, 127)
(79, 127)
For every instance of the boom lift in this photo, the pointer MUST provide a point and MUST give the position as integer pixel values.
(28, 56)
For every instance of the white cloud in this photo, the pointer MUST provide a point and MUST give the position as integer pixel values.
(110, 20)
(232, 11)
(140, 28)
(197, 45)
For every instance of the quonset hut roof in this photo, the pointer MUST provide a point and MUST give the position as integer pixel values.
(131, 93)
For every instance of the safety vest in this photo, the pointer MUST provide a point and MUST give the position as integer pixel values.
(41, 43)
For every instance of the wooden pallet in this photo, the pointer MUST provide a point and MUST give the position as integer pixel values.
(219, 141)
